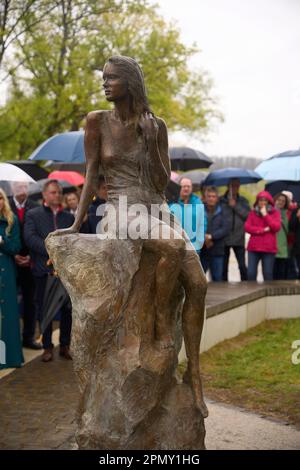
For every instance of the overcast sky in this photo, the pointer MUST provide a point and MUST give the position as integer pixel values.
(251, 48)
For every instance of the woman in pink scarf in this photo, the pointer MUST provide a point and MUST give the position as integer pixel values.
(263, 222)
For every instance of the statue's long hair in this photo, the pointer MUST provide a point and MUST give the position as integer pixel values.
(133, 74)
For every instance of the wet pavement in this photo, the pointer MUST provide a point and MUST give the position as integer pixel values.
(38, 406)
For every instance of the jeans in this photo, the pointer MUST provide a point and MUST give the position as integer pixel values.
(65, 320)
(239, 252)
(267, 260)
(214, 264)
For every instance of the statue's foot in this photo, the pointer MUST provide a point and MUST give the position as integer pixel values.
(199, 402)
(196, 386)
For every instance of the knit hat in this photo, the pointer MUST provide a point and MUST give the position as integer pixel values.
(289, 195)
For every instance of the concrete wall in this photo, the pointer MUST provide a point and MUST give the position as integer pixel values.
(283, 306)
(232, 322)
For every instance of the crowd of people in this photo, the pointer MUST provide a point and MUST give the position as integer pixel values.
(215, 224)
(272, 225)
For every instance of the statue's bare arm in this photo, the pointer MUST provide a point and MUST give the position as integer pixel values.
(156, 137)
(92, 140)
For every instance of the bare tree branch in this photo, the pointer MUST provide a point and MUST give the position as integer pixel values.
(17, 20)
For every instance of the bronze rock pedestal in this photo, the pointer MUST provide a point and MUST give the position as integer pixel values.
(130, 397)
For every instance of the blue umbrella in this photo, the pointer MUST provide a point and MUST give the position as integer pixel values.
(66, 147)
(283, 166)
(225, 175)
(288, 153)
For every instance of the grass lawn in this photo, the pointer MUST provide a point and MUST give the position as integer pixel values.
(255, 371)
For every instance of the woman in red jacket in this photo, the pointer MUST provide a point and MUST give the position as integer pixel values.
(262, 223)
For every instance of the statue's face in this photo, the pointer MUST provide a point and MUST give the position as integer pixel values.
(115, 87)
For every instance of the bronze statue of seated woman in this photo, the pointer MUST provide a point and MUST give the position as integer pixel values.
(161, 283)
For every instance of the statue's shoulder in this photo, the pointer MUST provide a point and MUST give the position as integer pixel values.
(97, 116)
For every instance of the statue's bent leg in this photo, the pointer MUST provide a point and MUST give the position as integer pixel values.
(171, 253)
(195, 285)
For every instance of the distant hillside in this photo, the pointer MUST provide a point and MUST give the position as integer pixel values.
(241, 162)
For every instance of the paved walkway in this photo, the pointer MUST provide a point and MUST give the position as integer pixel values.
(231, 428)
(38, 403)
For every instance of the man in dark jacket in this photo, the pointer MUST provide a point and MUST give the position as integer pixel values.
(237, 210)
(38, 224)
(20, 205)
(212, 253)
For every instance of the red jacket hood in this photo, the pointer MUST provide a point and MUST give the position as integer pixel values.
(266, 195)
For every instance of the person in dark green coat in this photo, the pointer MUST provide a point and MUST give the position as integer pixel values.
(10, 340)
(280, 269)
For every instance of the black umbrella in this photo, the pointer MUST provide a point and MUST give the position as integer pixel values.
(187, 158)
(31, 168)
(61, 166)
(54, 298)
(279, 186)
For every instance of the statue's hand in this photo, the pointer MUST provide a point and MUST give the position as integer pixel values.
(64, 231)
(149, 126)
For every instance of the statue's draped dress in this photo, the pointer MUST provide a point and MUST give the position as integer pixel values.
(125, 165)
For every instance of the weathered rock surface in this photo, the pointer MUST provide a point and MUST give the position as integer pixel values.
(130, 397)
